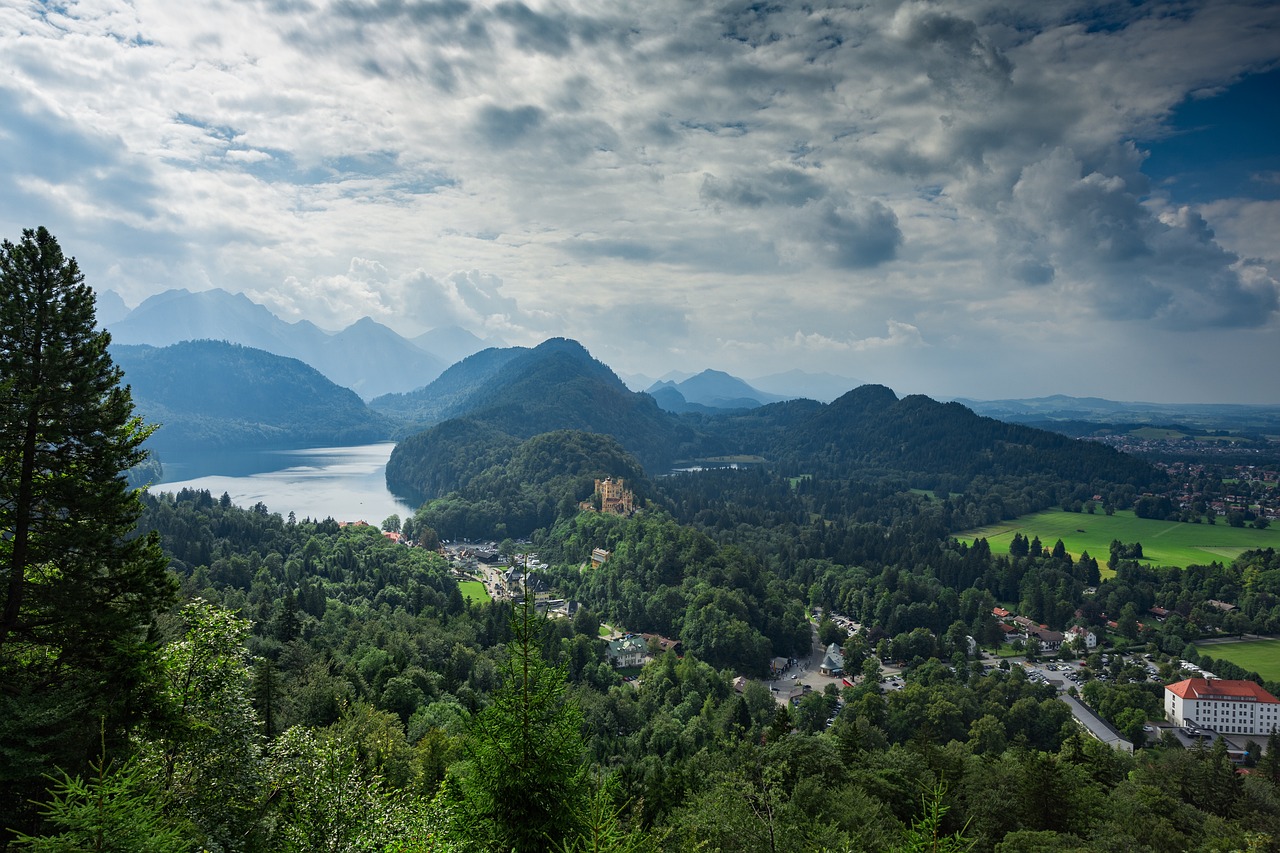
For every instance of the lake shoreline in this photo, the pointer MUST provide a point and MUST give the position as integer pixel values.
(346, 483)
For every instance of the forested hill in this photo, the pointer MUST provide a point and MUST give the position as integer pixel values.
(941, 444)
(212, 394)
(869, 432)
(521, 393)
(450, 394)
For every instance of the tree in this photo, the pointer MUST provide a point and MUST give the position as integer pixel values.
(209, 755)
(114, 810)
(526, 788)
(829, 632)
(78, 588)
(925, 832)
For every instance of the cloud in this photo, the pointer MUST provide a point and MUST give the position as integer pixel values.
(854, 235)
(41, 149)
(1091, 233)
(503, 128)
(777, 185)
(899, 336)
(958, 61)
(705, 172)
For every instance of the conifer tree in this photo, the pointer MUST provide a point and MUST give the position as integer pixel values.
(78, 588)
(526, 788)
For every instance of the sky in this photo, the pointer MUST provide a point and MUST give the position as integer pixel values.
(956, 198)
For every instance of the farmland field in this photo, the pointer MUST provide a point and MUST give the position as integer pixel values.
(1260, 656)
(474, 590)
(1164, 543)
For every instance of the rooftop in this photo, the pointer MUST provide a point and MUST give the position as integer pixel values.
(1220, 688)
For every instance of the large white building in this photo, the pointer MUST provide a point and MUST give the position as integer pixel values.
(1227, 707)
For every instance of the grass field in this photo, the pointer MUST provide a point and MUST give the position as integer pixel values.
(474, 590)
(1260, 656)
(1164, 543)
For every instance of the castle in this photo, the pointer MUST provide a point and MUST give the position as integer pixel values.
(613, 497)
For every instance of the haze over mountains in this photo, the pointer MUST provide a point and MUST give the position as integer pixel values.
(366, 357)
(373, 360)
(258, 380)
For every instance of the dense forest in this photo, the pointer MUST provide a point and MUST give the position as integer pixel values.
(181, 674)
(309, 652)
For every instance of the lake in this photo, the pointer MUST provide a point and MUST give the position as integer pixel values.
(347, 483)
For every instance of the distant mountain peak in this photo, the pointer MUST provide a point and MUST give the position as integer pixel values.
(710, 390)
(367, 356)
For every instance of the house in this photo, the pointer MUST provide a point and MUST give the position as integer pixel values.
(833, 663)
(599, 556)
(664, 644)
(1159, 612)
(1221, 605)
(628, 651)
(777, 666)
(558, 607)
(1222, 705)
(1000, 613)
(1049, 640)
(1077, 632)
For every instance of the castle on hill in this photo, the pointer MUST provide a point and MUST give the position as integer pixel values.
(610, 496)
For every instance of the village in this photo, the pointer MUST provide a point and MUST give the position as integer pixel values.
(813, 685)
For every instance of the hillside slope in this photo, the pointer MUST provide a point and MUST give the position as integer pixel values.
(212, 394)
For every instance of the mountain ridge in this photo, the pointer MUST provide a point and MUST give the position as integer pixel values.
(366, 356)
(215, 395)
(560, 386)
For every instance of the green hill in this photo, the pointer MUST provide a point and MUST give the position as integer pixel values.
(212, 394)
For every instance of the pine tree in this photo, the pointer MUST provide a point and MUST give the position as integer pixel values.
(526, 788)
(113, 810)
(78, 588)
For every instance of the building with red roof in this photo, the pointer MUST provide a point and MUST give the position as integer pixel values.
(1222, 705)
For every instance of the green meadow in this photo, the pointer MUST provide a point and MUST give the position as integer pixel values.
(1260, 656)
(474, 590)
(1164, 543)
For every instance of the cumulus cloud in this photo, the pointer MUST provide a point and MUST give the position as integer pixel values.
(777, 185)
(853, 235)
(1092, 233)
(411, 301)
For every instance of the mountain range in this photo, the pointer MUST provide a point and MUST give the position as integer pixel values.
(220, 371)
(367, 357)
(788, 385)
(708, 391)
(1083, 415)
(489, 403)
(374, 360)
